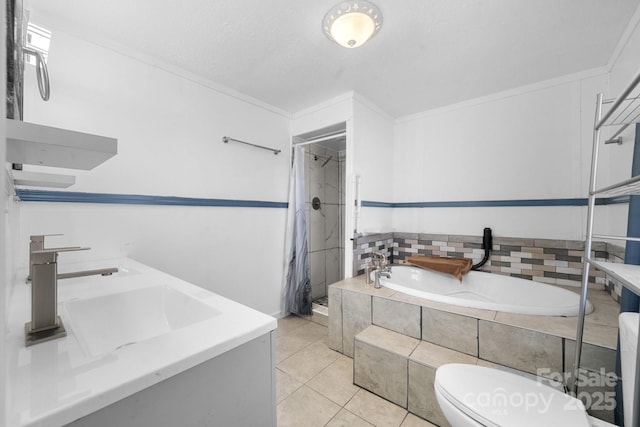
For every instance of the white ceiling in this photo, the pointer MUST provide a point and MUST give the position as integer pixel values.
(429, 53)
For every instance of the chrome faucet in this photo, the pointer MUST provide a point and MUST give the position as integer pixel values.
(36, 243)
(379, 262)
(45, 323)
(368, 269)
(386, 272)
(382, 258)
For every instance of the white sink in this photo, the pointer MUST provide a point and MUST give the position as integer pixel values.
(106, 323)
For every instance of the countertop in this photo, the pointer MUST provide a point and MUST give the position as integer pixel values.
(54, 383)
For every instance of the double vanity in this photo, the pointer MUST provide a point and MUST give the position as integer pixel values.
(141, 348)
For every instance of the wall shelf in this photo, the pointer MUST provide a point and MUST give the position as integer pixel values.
(32, 144)
(623, 112)
(39, 179)
(628, 274)
(624, 188)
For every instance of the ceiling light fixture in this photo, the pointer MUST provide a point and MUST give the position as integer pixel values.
(352, 23)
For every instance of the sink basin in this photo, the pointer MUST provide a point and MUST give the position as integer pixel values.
(106, 323)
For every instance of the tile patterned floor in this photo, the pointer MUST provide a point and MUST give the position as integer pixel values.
(314, 384)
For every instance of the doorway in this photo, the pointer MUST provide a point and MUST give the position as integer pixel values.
(325, 184)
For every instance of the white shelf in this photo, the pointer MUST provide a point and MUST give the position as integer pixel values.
(38, 179)
(627, 274)
(623, 112)
(33, 144)
(624, 188)
(626, 112)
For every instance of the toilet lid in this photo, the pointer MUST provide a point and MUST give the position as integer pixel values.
(496, 398)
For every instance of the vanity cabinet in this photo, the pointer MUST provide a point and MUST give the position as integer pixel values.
(236, 388)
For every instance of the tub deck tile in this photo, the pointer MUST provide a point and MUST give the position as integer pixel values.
(450, 330)
(380, 363)
(397, 316)
(423, 362)
(527, 350)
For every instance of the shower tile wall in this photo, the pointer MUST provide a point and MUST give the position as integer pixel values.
(324, 226)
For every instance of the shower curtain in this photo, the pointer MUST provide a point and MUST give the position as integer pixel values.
(297, 289)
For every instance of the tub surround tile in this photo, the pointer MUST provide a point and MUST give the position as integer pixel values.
(554, 325)
(380, 363)
(358, 284)
(594, 397)
(606, 309)
(615, 250)
(356, 317)
(528, 350)
(422, 399)
(477, 240)
(335, 318)
(408, 236)
(520, 252)
(397, 316)
(602, 335)
(433, 355)
(533, 341)
(385, 339)
(593, 357)
(464, 311)
(450, 330)
(486, 363)
(376, 410)
(423, 363)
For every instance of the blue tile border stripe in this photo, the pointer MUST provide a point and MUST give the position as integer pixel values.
(496, 203)
(135, 199)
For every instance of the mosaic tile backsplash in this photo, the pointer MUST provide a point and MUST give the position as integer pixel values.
(557, 262)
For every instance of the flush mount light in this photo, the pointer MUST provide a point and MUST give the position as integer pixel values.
(352, 23)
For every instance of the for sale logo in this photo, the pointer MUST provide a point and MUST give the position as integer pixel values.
(595, 388)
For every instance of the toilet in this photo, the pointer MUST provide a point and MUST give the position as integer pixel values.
(477, 396)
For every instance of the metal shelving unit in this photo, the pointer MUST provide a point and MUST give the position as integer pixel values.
(622, 112)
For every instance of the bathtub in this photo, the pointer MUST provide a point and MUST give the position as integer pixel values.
(485, 291)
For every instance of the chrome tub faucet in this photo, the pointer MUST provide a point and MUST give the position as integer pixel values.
(381, 273)
(378, 262)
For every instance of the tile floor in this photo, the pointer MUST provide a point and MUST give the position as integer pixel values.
(314, 384)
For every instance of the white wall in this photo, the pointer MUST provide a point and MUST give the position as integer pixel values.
(373, 154)
(529, 143)
(169, 129)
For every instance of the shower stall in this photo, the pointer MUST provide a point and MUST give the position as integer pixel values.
(325, 164)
